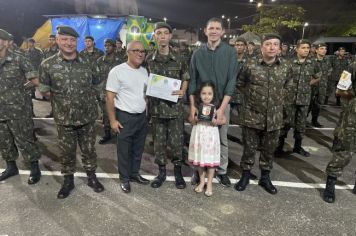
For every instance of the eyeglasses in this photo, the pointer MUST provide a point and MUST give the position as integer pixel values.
(137, 51)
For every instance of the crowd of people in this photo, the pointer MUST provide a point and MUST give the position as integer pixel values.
(268, 91)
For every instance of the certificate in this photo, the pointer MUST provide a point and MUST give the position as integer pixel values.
(345, 81)
(162, 87)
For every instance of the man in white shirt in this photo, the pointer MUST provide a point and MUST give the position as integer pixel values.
(126, 107)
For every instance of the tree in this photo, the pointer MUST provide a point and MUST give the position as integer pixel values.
(282, 19)
(344, 25)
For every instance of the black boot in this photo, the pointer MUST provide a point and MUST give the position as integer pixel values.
(94, 183)
(161, 177)
(180, 183)
(265, 182)
(244, 181)
(315, 122)
(35, 174)
(329, 192)
(298, 148)
(279, 150)
(106, 137)
(11, 170)
(67, 187)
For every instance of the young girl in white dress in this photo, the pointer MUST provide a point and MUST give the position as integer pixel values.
(204, 145)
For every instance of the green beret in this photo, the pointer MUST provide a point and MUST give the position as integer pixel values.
(89, 37)
(319, 45)
(11, 37)
(160, 25)
(240, 39)
(4, 35)
(269, 36)
(66, 30)
(52, 36)
(303, 41)
(110, 41)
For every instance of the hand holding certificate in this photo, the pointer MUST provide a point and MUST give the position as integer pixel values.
(163, 87)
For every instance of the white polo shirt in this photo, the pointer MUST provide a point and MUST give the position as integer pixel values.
(129, 84)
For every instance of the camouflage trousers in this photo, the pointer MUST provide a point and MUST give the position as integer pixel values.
(106, 121)
(315, 103)
(294, 116)
(168, 133)
(235, 117)
(345, 140)
(265, 141)
(68, 138)
(18, 135)
(331, 87)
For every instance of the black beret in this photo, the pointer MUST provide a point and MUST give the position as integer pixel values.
(342, 48)
(303, 41)
(319, 45)
(269, 36)
(52, 36)
(4, 35)
(110, 41)
(89, 37)
(66, 30)
(160, 25)
(240, 39)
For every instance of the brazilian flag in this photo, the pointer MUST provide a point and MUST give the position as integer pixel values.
(139, 29)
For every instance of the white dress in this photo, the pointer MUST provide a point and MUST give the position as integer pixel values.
(204, 145)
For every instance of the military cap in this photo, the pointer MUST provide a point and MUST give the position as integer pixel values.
(110, 41)
(4, 35)
(31, 40)
(342, 48)
(269, 36)
(319, 45)
(160, 25)
(240, 39)
(11, 37)
(89, 37)
(66, 30)
(52, 36)
(303, 41)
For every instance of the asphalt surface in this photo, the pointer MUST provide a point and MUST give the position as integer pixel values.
(297, 209)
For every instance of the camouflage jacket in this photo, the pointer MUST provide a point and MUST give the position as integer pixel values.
(263, 88)
(121, 54)
(92, 56)
(105, 64)
(171, 66)
(301, 74)
(326, 70)
(48, 52)
(237, 97)
(35, 56)
(15, 71)
(72, 86)
(339, 65)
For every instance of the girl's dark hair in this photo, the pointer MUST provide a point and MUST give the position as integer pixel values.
(198, 91)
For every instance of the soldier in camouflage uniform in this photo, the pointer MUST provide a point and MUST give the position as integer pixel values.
(167, 117)
(120, 52)
(319, 90)
(305, 73)
(105, 64)
(263, 82)
(91, 52)
(345, 144)
(237, 98)
(339, 64)
(52, 48)
(71, 80)
(16, 125)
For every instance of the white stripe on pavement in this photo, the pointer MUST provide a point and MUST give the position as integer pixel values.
(187, 179)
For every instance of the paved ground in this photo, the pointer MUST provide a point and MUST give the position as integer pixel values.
(297, 209)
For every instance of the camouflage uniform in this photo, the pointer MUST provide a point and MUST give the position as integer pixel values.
(319, 90)
(72, 86)
(338, 65)
(345, 134)
(91, 56)
(167, 117)
(35, 56)
(298, 96)
(48, 52)
(105, 64)
(121, 54)
(16, 126)
(263, 87)
(237, 100)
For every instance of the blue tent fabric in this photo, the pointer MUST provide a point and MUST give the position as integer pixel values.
(98, 28)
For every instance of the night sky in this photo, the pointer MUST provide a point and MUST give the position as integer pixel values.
(22, 17)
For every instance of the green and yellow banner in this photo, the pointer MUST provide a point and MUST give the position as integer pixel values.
(139, 29)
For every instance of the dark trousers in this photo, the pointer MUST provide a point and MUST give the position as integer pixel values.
(130, 143)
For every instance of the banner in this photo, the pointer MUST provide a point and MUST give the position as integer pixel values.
(139, 29)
